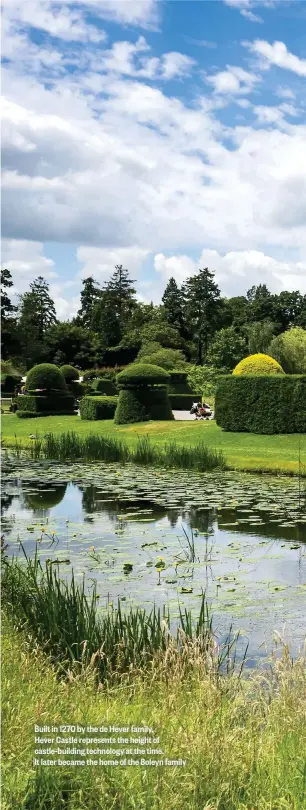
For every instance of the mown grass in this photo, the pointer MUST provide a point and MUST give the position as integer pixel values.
(243, 739)
(242, 451)
(70, 446)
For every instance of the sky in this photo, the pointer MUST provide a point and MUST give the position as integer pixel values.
(162, 135)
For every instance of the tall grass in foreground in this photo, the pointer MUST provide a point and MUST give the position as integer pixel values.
(243, 739)
(65, 621)
(71, 447)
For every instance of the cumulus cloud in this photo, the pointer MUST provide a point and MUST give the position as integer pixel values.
(26, 261)
(277, 54)
(236, 271)
(233, 80)
(100, 262)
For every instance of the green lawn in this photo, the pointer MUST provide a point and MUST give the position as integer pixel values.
(242, 451)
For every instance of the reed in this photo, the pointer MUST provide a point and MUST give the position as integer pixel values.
(67, 624)
(93, 447)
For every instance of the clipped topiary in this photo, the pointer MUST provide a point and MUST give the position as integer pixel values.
(70, 373)
(46, 376)
(143, 404)
(140, 375)
(143, 394)
(258, 364)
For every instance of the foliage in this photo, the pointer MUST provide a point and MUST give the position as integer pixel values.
(76, 344)
(98, 407)
(37, 314)
(89, 296)
(45, 376)
(258, 364)
(290, 350)
(173, 301)
(59, 402)
(9, 332)
(202, 306)
(204, 379)
(178, 382)
(142, 404)
(183, 402)
(104, 386)
(165, 358)
(259, 336)
(162, 333)
(70, 373)
(226, 349)
(113, 308)
(273, 403)
(142, 374)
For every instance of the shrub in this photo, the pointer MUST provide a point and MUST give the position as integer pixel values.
(142, 404)
(104, 386)
(142, 374)
(46, 376)
(166, 358)
(258, 364)
(290, 350)
(262, 404)
(183, 402)
(98, 407)
(9, 382)
(178, 383)
(49, 404)
(70, 373)
(204, 378)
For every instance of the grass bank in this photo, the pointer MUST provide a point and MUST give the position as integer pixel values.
(243, 740)
(242, 451)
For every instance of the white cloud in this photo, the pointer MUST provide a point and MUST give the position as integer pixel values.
(285, 92)
(277, 54)
(233, 80)
(59, 20)
(142, 13)
(100, 262)
(176, 64)
(26, 261)
(236, 271)
(249, 15)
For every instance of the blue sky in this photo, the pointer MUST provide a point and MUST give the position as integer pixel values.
(165, 136)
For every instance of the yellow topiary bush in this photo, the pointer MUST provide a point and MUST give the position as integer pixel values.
(258, 364)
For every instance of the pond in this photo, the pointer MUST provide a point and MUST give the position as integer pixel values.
(161, 536)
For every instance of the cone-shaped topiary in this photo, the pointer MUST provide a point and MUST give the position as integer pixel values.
(258, 364)
(46, 376)
(70, 373)
(142, 374)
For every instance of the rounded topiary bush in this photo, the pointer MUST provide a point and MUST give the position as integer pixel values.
(70, 373)
(142, 404)
(46, 376)
(142, 374)
(258, 364)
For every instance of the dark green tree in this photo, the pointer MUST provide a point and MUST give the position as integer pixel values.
(261, 304)
(227, 349)
(114, 307)
(9, 338)
(90, 294)
(202, 307)
(37, 314)
(173, 301)
(66, 342)
(288, 308)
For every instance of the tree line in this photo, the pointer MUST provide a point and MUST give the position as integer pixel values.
(193, 323)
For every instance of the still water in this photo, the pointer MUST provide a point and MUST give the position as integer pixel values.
(157, 536)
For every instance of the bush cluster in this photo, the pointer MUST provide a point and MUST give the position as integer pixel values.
(262, 404)
(142, 404)
(70, 373)
(94, 408)
(46, 376)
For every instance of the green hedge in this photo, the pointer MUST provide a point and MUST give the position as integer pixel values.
(183, 402)
(142, 374)
(98, 407)
(262, 404)
(49, 404)
(178, 383)
(70, 373)
(38, 414)
(142, 404)
(105, 387)
(45, 376)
